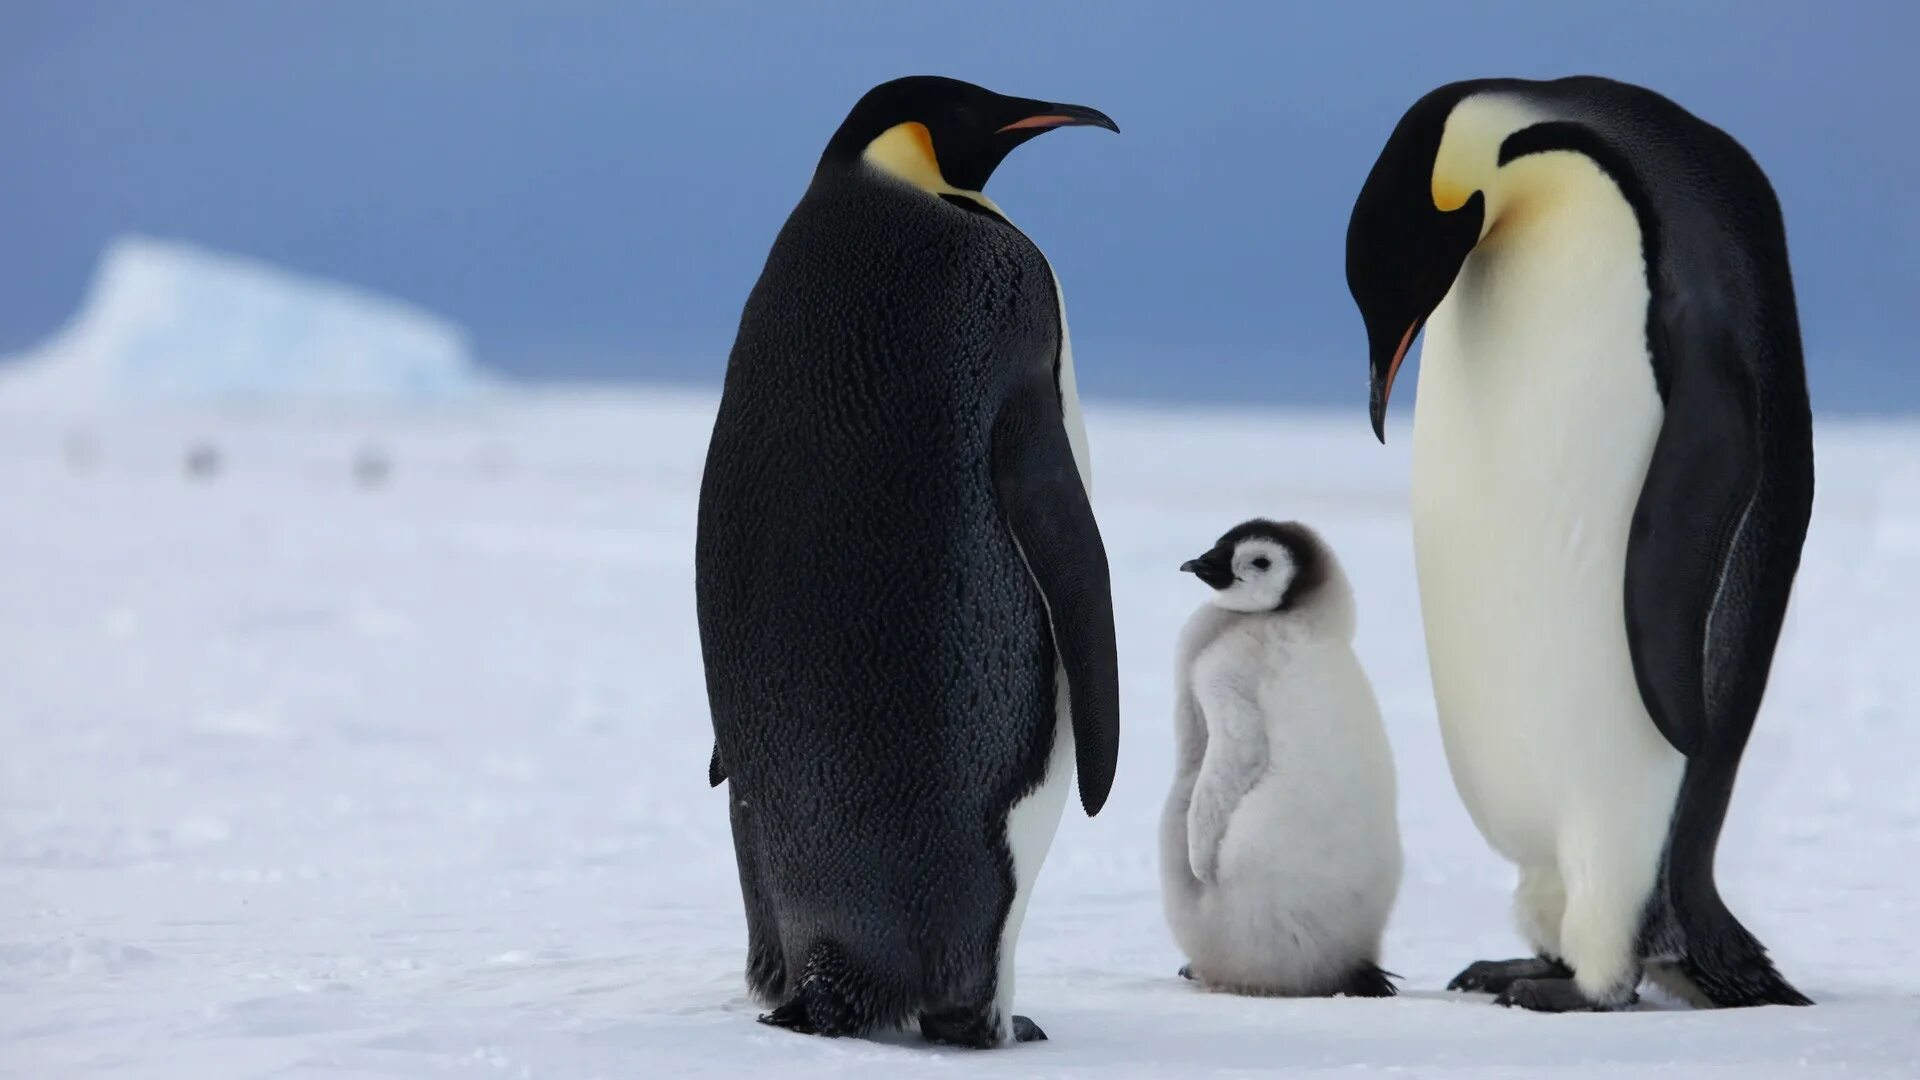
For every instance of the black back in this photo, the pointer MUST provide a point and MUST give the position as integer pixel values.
(878, 660)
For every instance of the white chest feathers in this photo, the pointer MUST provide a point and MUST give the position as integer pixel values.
(1536, 419)
(1280, 848)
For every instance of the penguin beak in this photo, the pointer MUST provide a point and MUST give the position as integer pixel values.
(1385, 368)
(1046, 115)
(1214, 568)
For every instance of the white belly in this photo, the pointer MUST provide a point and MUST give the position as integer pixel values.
(1536, 418)
(1310, 861)
(1032, 821)
(1070, 397)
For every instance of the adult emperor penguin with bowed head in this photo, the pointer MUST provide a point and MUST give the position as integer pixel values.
(904, 604)
(1612, 477)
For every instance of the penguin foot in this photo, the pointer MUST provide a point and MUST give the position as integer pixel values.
(1186, 972)
(792, 1016)
(976, 1029)
(1495, 976)
(1369, 981)
(1556, 996)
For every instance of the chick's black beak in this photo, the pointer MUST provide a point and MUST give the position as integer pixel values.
(1215, 568)
(1042, 115)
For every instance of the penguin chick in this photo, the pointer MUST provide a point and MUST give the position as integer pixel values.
(1279, 847)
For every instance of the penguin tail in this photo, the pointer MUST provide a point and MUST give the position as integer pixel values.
(837, 996)
(1720, 963)
(1709, 959)
(1368, 981)
(766, 968)
(1694, 947)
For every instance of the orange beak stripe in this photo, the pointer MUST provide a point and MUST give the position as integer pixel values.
(1044, 120)
(1393, 369)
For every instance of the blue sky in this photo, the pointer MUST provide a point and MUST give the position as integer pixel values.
(591, 187)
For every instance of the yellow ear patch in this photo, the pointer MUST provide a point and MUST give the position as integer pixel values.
(905, 151)
(1468, 158)
(1449, 197)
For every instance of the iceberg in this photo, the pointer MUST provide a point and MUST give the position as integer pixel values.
(170, 323)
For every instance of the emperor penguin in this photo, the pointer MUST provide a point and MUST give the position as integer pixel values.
(1612, 478)
(904, 606)
(1279, 846)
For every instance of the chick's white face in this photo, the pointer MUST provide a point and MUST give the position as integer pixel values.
(1262, 570)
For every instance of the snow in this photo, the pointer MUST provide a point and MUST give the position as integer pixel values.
(310, 776)
(169, 323)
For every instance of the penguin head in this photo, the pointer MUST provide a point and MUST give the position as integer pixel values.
(1424, 208)
(1262, 565)
(943, 135)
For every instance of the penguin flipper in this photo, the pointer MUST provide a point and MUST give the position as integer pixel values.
(1716, 535)
(716, 769)
(1237, 756)
(1046, 507)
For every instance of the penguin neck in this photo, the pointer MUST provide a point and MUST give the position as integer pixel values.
(1534, 189)
(1469, 160)
(1326, 614)
(904, 154)
(1549, 197)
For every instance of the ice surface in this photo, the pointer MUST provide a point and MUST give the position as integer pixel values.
(304, 777)
(169, 323)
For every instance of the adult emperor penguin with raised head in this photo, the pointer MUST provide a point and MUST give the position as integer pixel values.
(1612, 476)
(904, 605)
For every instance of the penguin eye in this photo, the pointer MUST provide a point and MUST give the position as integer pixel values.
(1262, 562)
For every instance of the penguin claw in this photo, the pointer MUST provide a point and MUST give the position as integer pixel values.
(1555, 996)
(1495, 976)
(976, 1029)
(792, 1016)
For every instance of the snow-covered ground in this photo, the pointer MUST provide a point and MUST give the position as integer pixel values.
(306, 776)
